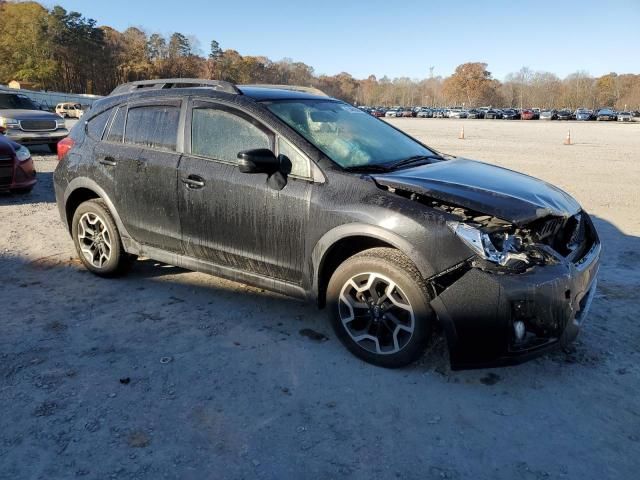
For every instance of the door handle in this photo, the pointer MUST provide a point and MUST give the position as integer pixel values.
(109, 161)
(193, 181)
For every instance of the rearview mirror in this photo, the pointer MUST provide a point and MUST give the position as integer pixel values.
(259, 160)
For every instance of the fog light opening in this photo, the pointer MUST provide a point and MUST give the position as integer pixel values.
(519, 330)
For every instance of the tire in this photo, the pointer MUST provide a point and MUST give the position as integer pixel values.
(53, 147)
(109, 258)
(374, 271)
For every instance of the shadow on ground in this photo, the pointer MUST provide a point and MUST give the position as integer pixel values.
(42, 192)
(170, 373)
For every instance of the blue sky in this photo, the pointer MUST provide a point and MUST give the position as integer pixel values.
(399, 38)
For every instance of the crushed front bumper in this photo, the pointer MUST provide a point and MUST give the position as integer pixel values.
(478, 311)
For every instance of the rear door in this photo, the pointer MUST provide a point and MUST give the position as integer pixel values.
(144, 164)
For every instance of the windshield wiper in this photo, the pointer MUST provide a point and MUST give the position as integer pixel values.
(367, 168)
(414, 159)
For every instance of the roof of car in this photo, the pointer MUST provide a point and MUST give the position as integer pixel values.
(257, 92)
(248, 92)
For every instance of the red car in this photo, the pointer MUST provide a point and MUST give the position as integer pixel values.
(17, 172)
(528, 115)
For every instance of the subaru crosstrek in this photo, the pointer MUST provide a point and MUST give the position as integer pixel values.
(287, 189)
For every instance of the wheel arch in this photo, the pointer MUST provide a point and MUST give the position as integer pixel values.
(345, 241)
(82, 189)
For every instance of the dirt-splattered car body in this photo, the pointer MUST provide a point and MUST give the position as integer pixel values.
(522, 290)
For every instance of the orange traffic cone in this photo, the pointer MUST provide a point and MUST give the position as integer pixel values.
(461, 136)
(567, 141)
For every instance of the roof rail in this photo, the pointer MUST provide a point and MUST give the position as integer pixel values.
(296, 88)
(163, 83)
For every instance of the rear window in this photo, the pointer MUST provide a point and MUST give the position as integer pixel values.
(153, 126)
(95, 126)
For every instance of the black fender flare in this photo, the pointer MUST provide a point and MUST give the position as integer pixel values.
(84, 182)
(329, 239)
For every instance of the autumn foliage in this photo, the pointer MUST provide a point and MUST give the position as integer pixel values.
(64, 51)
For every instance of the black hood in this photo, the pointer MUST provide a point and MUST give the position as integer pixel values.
(491, 190)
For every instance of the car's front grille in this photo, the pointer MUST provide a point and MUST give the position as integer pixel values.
(6, 175)
(38, 125)
(570, 237)
(550, 227)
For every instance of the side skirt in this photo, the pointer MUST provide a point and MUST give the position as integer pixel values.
(190, 263)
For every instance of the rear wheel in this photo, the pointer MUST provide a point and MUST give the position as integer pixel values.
(97, 240)
(379, 307)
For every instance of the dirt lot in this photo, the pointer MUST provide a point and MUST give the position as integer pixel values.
(172, 374)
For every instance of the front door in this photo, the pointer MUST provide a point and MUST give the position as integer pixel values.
(231, 218)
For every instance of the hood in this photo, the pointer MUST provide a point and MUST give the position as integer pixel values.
(484, 188)
(20, 114)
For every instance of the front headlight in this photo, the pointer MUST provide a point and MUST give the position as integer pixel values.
(501, 250)
(23, 154)
(7, 122)
(60, 123)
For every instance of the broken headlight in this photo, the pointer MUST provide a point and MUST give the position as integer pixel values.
(499, 247)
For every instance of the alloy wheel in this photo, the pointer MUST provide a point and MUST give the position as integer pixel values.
(376, 313)
(94, 239)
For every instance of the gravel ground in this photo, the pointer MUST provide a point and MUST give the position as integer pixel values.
(171, 374)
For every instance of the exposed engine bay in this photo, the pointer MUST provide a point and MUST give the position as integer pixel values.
(513, 248)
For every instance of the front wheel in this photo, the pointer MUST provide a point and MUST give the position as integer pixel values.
(379, 307)
(97, 240)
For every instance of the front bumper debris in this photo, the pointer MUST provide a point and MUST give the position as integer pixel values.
(479, 309)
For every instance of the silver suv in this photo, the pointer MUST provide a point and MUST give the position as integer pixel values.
(23, 122)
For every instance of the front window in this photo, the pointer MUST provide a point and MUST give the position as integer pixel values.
(299, 164)
(346, 134)
(221, 134)
(16, 102)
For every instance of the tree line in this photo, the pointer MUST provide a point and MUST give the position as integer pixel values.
(65, 51)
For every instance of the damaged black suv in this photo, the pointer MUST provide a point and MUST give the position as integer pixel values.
(290, 190)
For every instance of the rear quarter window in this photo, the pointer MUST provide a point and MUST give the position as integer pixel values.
(116, 131)
(96, 126)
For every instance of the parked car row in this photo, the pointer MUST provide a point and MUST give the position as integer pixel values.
(603, 114)
(24, 122)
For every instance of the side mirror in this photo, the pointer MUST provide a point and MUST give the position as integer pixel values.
(259, 160)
